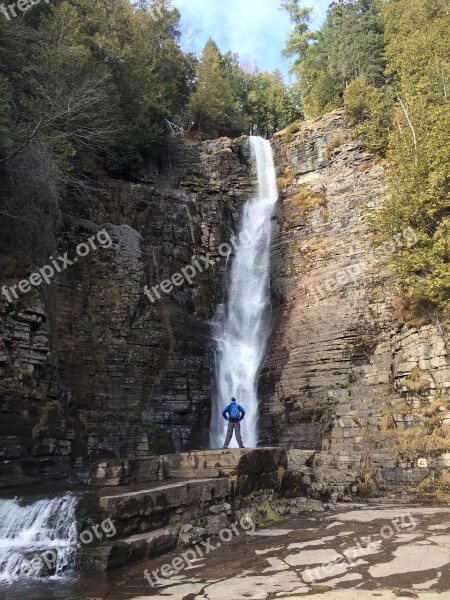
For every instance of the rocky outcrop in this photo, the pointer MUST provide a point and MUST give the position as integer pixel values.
(91, 367)
(158, 503)
(338, 357)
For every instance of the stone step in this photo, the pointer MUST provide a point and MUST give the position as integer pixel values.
(146, 507)
(199, 464)
(117, 553)
(158, 502)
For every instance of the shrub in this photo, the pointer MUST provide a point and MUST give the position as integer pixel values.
(370, 110)
(335, 143)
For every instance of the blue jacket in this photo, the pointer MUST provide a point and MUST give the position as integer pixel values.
(226, 414)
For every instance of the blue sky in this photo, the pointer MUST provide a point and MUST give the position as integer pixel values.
(255, 29)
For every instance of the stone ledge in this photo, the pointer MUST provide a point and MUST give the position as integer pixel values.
(199, 464)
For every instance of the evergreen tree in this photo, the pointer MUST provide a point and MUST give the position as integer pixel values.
(418, 57)
(272, 105)
(349, 44)
(213, 106)
(388, 61)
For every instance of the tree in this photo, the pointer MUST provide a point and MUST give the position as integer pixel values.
(301, 37)
(213, 106)
(84, 82)
(370, 111)
(272, 105)
(349, 44)
(418, 53)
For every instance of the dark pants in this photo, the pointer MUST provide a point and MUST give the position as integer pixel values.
(236, 427)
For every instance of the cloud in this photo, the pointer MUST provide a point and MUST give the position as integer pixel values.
(255, 29)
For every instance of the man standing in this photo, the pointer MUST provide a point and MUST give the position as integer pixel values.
(233, 413)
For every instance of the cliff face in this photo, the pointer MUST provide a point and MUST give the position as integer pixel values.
(338, 356)
(92, 368)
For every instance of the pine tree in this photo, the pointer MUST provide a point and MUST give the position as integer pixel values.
(418, 56)
(349, 44)
(213, 106)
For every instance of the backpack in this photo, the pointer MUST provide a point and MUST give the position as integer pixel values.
(234, 411)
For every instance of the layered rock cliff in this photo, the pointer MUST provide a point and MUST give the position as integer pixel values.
(89, 366)
(339, 356)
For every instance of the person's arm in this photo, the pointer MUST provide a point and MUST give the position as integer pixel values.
(225, 413)
(242, 411)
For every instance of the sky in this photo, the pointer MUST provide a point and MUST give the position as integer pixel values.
(256, 29)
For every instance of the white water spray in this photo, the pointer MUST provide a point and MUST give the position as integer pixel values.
(27, 531)
(241, 325)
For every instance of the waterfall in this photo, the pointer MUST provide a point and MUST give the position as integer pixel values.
(29, 531)
(241, 330)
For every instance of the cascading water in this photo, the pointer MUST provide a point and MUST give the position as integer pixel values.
(241, 325)
(28, 531)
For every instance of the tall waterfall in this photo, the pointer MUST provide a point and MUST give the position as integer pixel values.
(29, 531)
(241, 325)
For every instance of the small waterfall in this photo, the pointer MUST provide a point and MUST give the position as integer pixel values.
(241, 325)
(28, 531)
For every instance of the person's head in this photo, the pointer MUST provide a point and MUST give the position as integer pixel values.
(233, 399)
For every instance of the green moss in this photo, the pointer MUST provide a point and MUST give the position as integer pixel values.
(271, 515)
(320, 589)
(281, 474)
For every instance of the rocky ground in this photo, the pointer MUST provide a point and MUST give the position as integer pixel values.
(376, 551)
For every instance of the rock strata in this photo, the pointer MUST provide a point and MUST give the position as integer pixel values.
(338, 356)
(92, 368)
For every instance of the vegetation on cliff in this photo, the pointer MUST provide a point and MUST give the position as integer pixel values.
(229, 100)
(85, 83)
(388, 63)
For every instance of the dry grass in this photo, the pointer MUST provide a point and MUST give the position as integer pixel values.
(368, 479)
(285, 179)
(335, 143)
(431, 410)
(305, 201)
(364, 166)
(405, 314)
(436, 489)
(289, 132)
(417, 382)
(430, 438)
(321, 249)
(293, 128)
(424, 434)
